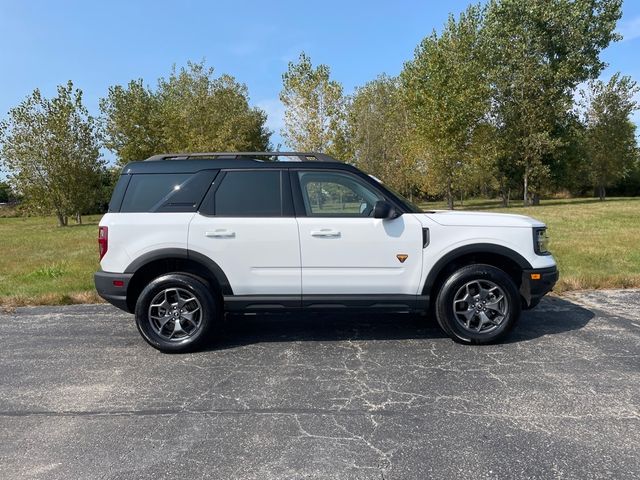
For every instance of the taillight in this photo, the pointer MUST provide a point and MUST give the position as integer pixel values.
(103, 241)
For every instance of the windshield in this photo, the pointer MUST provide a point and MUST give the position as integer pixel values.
(409, 203)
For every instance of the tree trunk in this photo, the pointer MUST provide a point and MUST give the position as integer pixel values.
(78, 218)
(525, 196)
(535, 199)
(449, 197)
(601, 192)
(62, 220)
(505, 194)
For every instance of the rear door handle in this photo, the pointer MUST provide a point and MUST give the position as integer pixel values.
(325, 233)
(220, 233)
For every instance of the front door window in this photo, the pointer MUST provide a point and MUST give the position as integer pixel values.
(335, 194)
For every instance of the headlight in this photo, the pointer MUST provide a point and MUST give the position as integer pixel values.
(541, 241)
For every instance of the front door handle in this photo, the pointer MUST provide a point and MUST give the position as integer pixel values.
(325, 233)
(220, 233)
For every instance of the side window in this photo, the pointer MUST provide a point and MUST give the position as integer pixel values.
(188, 196)
(118, 193)
(249, 193)
(336, 194)
(146, 190)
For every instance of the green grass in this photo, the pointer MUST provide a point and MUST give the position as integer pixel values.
(41, 263)
(597, 245)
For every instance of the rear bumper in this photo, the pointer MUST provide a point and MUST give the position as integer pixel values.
(115, 294)
(536, 283)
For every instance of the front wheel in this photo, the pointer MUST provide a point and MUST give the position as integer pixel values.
(478, 304)
(176, 313)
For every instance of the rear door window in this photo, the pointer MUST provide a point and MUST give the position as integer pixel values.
(249, 193)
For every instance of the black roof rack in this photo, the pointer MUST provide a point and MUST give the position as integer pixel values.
(269, 156)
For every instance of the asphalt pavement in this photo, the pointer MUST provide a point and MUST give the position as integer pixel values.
(322, 396)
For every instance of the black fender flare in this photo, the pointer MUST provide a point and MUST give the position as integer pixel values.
(481, 248)
(184, 254)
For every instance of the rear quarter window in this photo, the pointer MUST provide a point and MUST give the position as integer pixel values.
(166, 192)
(118, 193)
(146, 190)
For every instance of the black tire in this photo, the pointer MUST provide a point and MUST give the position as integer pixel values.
(463, 284)
(201, 313)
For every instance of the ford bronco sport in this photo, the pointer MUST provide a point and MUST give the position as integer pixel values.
(189, 237)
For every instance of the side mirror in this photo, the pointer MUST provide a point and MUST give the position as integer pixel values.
(384, 210)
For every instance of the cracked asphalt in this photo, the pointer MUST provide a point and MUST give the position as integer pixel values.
(324, 397)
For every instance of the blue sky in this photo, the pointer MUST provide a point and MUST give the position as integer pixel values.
(97, 44)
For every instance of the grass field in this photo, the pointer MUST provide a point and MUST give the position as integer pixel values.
(597, 245)
(41, 263)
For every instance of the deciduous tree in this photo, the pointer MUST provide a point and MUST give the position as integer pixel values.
(50, 147)
(448, 96)
(314, 117)
(190, 111)
(380, 133)
(6, 193)
(610, 134)
(132, 122)
(540, 51)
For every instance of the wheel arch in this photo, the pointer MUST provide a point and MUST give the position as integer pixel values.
(508, 260)
(153, 264)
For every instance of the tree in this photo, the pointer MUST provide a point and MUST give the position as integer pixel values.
(379, 132)
(610, 134)
(314, 118)
(190, 111)
(448, 96)
(132, 122)
(50, 147)
(480, 173)
(540, 51)
(5, 192)
(568, 166)
(200, 112)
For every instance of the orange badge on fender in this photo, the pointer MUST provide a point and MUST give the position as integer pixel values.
(402, 257)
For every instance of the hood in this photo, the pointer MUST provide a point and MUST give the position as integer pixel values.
(482, 219)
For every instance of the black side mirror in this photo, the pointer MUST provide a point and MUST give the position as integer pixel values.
(384, 210)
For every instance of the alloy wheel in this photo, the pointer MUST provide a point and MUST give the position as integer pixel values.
(480, 306)
(175, 314)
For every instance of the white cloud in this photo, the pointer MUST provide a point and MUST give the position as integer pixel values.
(630, 29)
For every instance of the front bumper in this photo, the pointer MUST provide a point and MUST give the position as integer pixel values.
(536, 283)
(113, 288)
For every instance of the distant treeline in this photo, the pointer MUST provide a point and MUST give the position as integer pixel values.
(504, 101)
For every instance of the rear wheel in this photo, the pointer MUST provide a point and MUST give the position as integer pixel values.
(478, 304)
(176, 313)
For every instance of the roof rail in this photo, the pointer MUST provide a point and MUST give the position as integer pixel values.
(293, 156)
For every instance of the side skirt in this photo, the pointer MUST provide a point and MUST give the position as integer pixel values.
(389, 303)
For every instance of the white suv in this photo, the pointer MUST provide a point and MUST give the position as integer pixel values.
(191, 236)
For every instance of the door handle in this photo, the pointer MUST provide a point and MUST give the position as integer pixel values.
(221, 233)
(325, 233)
